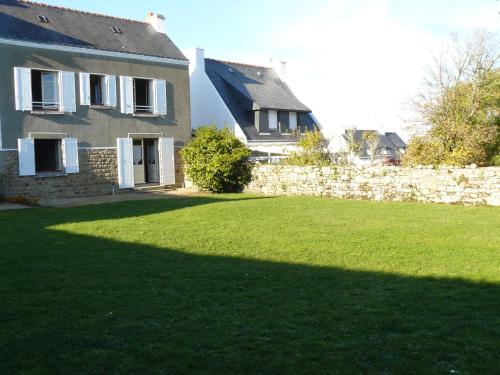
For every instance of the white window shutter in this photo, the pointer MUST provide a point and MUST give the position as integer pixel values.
(84, 88)
(293, 120)
(167, 161)
(22, 84)
(67, 92)
(127, 95)
(160, 97)
(110, 93)
(26, 151)
(70, 155)
(125, 163)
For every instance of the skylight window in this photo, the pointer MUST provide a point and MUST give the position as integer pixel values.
(116, 30)
(43, 19)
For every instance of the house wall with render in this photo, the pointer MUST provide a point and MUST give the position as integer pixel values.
(92, 127)
(444, 185)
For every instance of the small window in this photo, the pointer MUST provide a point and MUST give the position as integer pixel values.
(116, 30)
(96, 89)
(143, 96)
(48, 155)
(137, 155)
(43, 19)
(45, 90)
(273, 120)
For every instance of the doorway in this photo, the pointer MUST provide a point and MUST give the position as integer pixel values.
(145, 156)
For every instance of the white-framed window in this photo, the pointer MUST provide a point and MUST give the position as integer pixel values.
(273, 120)
(98, 90)
(48, 156)
(42, 156)
(44, 90)
(293, 120)
(143, 96)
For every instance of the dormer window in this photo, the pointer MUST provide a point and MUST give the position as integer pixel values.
(116, 30)
(43, 19)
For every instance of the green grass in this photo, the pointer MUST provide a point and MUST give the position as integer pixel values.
(243, 284)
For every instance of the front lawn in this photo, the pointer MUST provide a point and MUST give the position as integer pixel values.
(243, 284)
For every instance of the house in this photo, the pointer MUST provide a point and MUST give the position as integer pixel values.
(388, 147)
(89, 103)
(254, 101)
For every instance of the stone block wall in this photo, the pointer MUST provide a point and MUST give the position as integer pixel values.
(425, 184)
(98, 174)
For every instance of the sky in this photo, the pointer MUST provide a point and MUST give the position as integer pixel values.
(355, 63)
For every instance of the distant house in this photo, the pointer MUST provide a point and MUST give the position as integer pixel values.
(89, 103)
(389, 146)
(254, 101)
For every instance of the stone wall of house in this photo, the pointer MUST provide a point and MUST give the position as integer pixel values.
(426, 184)
(98, 174)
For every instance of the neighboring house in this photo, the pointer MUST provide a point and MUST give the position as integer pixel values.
(254, 101)
(389, 146)
(88, 103)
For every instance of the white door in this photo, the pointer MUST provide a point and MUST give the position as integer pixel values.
(138, 149)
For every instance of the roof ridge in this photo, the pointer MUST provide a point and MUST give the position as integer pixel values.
(240, 63)
(80, 11)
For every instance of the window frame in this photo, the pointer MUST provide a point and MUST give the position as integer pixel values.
(42, 106)
(58, 157)
(148, 109)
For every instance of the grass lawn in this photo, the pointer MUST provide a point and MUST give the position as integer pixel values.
(244, 284)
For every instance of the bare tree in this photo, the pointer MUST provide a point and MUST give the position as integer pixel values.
(457, 97)
(371, 138)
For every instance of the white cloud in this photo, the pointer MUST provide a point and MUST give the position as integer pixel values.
(356, 65)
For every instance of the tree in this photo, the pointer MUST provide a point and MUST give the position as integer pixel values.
(371, 138)
(460, 104)
(353, 146)
(312, 150)
(217, 161)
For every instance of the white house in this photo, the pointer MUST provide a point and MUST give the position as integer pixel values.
(254, 101)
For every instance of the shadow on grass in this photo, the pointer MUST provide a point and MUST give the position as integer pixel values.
(80, 304)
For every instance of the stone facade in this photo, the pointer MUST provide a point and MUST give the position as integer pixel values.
(98, 176)
(426, 184)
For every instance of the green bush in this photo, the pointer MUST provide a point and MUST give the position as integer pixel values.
(312, 150)
(217, 161)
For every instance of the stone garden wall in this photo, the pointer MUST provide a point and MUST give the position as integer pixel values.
(444, 185)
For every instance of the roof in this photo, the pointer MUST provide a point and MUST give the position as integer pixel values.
(259, 84)
(390, 140)
(245, 88)
(74, 28)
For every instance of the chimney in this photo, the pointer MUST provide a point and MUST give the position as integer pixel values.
(280, 68)
(157, 21)
(199, 59)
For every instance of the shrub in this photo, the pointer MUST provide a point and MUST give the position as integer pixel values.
(217, 161)
(312, 150)
(20, 199)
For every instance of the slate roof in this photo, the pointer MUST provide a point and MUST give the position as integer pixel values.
(69, 27)
(245, 88)
(389, 140)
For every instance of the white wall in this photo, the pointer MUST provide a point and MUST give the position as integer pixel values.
(207, 107)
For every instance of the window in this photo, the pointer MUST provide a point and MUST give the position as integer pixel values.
(137, 152)
(43, 19)
(273, 120)
(284, 122)
(143, 96)
(48, 155)
(96, 89)
(45, 90)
